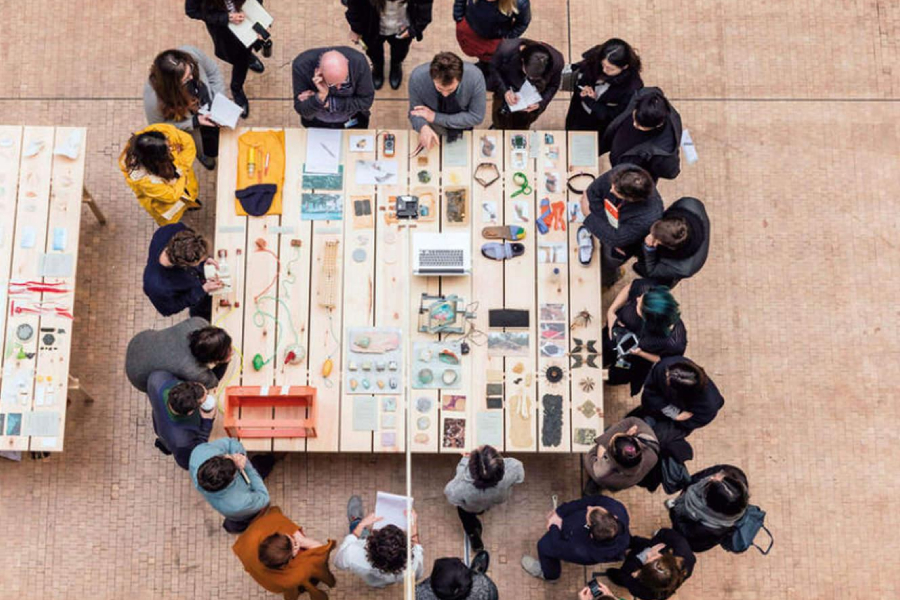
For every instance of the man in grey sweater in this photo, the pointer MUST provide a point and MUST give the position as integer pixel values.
(445, 98)
(483, 479)
(333, 88)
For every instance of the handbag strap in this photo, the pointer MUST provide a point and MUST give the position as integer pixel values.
(771, 541)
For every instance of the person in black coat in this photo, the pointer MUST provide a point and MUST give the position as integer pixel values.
(647, 133)
(619, 207)
(397, 22)
(708, 509)
(678, 392)
(655, 568)
(332, 88)
(514, 63)
(677, 245)
(605, 80)
(173, 277)
(217, 15)
(649, 313)
(482, 24)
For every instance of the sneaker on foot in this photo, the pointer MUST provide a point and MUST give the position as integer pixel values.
(355, 509)
(532, 566)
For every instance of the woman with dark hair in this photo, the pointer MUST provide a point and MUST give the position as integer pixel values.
(482, 24)
(655, 568)
(483, 479)
(643, 325)
(157, 163)
(181, 82)
(708, 509)
(217, 15)
(679, 392)
(397, 22)
(515, 63)
(606, 79)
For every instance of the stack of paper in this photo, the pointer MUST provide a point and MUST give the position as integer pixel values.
(528, 95)
(392, 510)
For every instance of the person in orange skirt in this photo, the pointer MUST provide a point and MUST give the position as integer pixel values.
(482, 24)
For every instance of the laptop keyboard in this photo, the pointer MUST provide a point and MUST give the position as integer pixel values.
(441, 258)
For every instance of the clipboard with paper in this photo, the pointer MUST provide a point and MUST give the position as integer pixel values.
(255, 17)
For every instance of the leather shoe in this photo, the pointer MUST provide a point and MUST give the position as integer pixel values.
(396, 76)
(240, 98)
(208, 162)
(378, 76)
(480, 562)
(256, 65)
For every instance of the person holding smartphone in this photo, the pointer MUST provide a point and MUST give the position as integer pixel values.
(333, 88)
(395, 22)
(649, 316)
(596, 590)
(182, 415)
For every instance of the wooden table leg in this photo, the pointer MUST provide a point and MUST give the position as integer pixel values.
(75, 386)
(92, 204)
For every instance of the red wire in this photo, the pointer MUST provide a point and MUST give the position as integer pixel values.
(274, 279)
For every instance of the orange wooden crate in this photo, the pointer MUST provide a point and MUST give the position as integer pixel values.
(252, 397)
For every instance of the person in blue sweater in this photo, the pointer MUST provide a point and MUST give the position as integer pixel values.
(585, 532)
(232, 484)
(173, 277)
(179, 422)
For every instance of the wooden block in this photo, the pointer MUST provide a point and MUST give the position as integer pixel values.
(359, 281)
(552, 285)
(9, 180)
(392, 275)
(64, 213)
(18, 386)
(585, 294)
(424, 424)
(459, 178)
(487, 147)
(293, 284)
(521, 399)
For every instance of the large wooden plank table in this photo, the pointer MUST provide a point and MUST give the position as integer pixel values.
(366, 263)
(40, 203)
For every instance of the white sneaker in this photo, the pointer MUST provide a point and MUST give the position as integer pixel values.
(532, 566)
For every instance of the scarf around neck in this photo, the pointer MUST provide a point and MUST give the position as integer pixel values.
(692, 503)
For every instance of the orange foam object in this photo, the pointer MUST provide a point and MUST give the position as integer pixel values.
(237, 397)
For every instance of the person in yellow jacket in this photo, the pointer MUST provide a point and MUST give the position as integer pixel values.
(158, 166)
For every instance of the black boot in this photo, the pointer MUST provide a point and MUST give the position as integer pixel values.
(240, 98)
(256, 65)
(396, 76)
(378, 76)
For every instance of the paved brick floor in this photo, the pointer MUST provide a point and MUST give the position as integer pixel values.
(794, 109)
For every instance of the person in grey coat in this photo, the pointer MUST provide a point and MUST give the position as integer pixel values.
(483, 479)
(451, 579)
(333, 88)
(181, 82)
(621, 457)
(677, 245)
(446, 97)
(191, 351)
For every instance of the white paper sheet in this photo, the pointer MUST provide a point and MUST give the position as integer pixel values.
(362, 143)
(365, 413)
(456, 154)
(323, 150)
(528, 95)
(376, 172)
(42, 423)
(584, 150)
(489, 428)
(392, 509)
(225, 112)
(253, 13)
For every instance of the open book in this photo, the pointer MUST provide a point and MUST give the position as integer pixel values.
(253, 13)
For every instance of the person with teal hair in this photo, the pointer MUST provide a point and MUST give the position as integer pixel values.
(643, 325)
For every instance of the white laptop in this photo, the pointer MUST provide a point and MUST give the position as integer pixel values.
(442, 254)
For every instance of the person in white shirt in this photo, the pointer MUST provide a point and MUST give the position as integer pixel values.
(378, 556)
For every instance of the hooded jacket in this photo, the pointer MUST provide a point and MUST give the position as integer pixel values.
(239, 499)
(364, 19)
(609, 474)
(668, 267)
(660, 154)
(166, 199)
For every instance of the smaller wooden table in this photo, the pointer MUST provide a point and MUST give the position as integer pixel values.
(41, 191)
